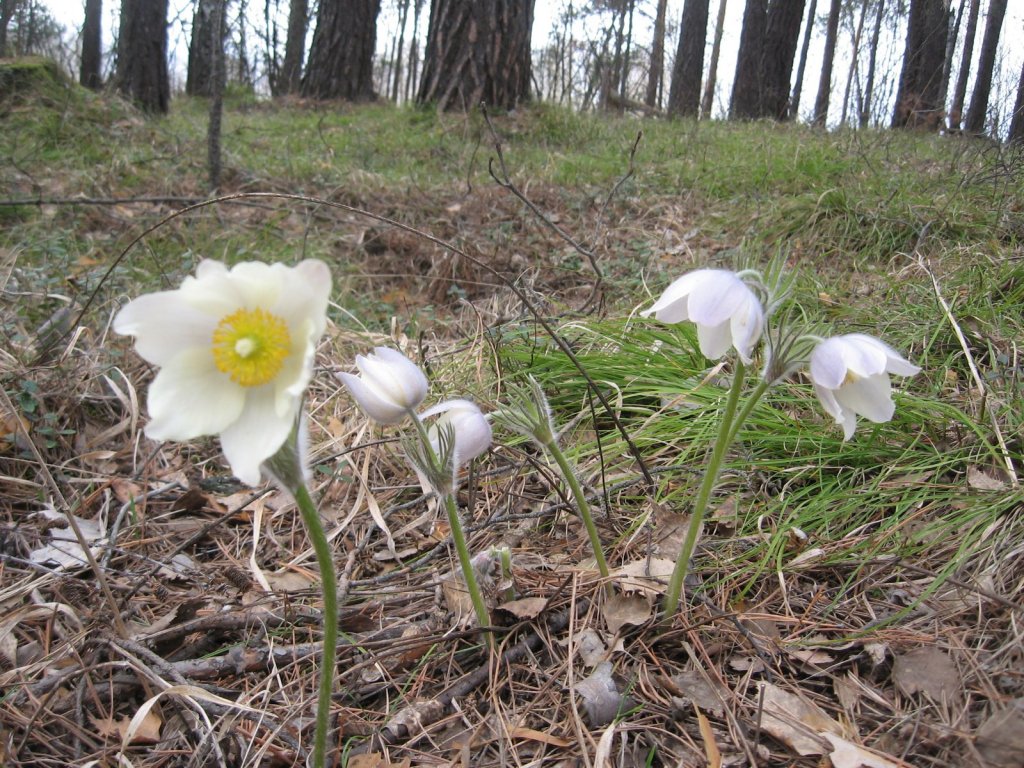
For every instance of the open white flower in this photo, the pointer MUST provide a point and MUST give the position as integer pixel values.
(470, 428)
(725, 310)
(235, 349)
(851, 377)
(389, 385)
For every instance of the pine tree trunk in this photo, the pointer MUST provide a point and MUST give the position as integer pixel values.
(657, 67)
(92, 45)
(340, 62)
(978, 111)
(869, 88)
(199, 81)
(290, 78)
(216, 88)
(142, 54)
(798, 87)
(746, 87)
(708, 100)
(7, 8)
(917, 100)
(688, 70)
(1017, 121)
(853, 60)
(956, 111)
(825, 82)
(403, 18)
(782, 34)
(478, 51)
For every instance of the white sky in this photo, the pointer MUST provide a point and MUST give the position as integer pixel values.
(70, 13)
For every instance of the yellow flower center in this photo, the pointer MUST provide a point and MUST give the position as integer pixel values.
(250, 346)
(850, 378)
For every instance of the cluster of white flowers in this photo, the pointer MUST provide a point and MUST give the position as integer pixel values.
(850, 373)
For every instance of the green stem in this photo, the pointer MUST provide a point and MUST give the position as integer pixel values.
(582, 506)
(726, 431)
(483, 619)
(748, 406)
(330, 618)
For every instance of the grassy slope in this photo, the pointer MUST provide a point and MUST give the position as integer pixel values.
(897, 523)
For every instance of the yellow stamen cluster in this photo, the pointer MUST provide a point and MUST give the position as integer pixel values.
(250, 346)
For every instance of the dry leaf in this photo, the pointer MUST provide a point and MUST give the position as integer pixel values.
(376, 760)
(620, 610)
(526, 608)
(647, 576)
(148, 731)
(846, 754)
(795, 721)
(520, 732)
(696, 688)
(926, 670)
(986, 478)
(601, 698)
(64, 551)
(1000, 739)
(711, 750)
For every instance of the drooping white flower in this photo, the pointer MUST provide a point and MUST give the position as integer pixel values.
(725, 310)
(388, 387)
(470, 429)
(235, 349)
(851, 377)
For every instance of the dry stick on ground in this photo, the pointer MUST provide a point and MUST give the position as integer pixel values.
(562, 344)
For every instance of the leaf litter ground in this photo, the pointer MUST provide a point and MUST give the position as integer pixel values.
(849, 605)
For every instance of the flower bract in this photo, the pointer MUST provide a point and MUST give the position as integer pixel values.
(851, 378)
(388, 387)
(470, 429)
(235, 349)
(725, 310)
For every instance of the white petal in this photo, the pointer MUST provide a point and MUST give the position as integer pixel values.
(378, 409)
(164, 326)
(870, 397)
(714, 341)
(189, 397)
(718, 297)
(671, 305)
(828, 364)
(894, 361)
(746, 326)
(827, 397)
(471, 428)
(395, 376)
(256, 435)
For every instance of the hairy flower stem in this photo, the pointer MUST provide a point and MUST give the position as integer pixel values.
(726, 433)
(583, 507)
(329, 586)
(748, 406)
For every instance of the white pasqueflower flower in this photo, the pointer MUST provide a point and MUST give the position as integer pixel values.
(470, 429)
(235, 349)
(725, 310)
(390, 385)
(851, 377)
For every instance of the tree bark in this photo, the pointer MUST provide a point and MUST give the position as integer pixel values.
(708, 100)
(657, 67)
(201, 52)
(853, 60)
(746, 87)
(1017, 121)
(290, 77)
(477, 51)
(142, 54)
(917, 100)
(956, 110)
(869, 88)
(782, 34)
(341, 56)
(825, 82)
(798, 87)
(978, 111)
(688, 70)
(92, 46)
(7, 8)
(216, 92)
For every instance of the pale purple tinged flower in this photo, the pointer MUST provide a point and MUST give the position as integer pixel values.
(388, 387)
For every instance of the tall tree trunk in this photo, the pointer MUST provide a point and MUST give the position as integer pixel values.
(746, 86)
(199, 80)
(340, 62)
(869, 88)
(477, 51)
(708, 100)
(801, 68)
(403, 18)
(92, 45)
(1017, 121)
(782, 34)
(142, 54)
(853, 60)
(917, 100)
(947, 64)
(627, 53)
(684, 91)
(825, 82)
(216, 86)
(956, 111)
(412, 82)
(978, 111)
(290, 79)
(657, 67)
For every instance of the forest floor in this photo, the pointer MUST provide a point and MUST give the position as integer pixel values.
(850, 604)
